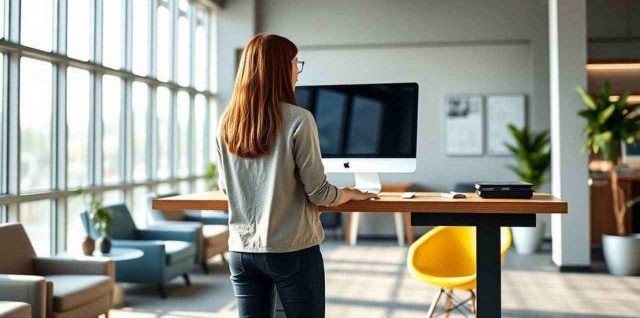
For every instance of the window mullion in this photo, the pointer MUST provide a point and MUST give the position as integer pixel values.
(152, 139)
(96, 97)
(127, 111)
(59, 133)
(153, 33)
(13, 110)
(207, 127)
(13, 136)
(191, 151)
(175, 14)
(173, 104)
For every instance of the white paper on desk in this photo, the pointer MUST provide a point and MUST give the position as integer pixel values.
(503, 110)
(464, 129)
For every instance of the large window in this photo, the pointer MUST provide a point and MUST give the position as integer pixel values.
(111, 114)
(163, 39)
(1, 19)
(78, 112)
(36, 218)
(35, 125)
(141, 37)
(116, 97)
(36, 23)
(140, 104)
(112, 36)
(79, 26)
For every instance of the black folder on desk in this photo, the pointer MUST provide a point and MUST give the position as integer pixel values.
(504, 190)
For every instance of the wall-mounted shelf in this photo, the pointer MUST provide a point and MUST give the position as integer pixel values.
(613, 64)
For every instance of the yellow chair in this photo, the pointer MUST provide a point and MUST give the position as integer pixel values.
(446, 257)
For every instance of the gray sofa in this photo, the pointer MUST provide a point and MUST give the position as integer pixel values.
(54, 287)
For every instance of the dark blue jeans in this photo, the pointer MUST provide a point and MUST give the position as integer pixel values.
(297, 276)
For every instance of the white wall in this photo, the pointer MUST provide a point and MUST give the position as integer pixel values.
(235, 27)
(448, 47)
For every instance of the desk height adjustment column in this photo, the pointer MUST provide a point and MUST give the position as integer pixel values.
(488, 271)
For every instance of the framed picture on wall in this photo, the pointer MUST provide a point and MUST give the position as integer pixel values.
(503, 110)
(464, 129)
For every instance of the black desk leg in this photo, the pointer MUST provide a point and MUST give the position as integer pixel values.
(488, 271)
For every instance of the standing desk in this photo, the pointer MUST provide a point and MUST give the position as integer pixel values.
(430, 208)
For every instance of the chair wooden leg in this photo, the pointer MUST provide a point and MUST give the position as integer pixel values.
(186, 279)
(106, 314)
(448, 304)
(434, 303)
(205, 267)
(473, 302)
(224, 259)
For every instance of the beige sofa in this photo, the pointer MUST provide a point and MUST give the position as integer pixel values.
(14, 309)
(54, 287)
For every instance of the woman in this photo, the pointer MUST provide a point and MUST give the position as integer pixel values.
(271, 169)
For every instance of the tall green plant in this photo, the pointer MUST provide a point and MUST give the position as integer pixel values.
(533, 154)
(609, 124)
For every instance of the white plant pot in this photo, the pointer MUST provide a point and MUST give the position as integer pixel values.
(528, 240)
(622, 254)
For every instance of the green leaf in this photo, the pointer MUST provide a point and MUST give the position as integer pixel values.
(606, 114)
(586, 98)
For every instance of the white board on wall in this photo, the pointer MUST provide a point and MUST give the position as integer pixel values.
(503, 110)
(464, 125)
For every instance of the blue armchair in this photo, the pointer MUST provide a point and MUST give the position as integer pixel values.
(168, 252)
(215, 229)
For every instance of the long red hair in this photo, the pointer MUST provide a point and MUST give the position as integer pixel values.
(252, 119)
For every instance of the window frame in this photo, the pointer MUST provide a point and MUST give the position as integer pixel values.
(11, 50)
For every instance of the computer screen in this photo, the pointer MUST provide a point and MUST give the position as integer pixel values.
(364, 120)
(632, 150)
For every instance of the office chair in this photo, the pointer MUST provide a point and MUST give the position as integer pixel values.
(446, 257)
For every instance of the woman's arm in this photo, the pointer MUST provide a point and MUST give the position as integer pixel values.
(221, 181)
(311, 170)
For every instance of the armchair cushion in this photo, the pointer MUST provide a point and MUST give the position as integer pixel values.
(15, 258)
(25, 288)
(71, 291)
(12, 309)
(153, 249)
(179, 233)
(76, 266)
(178, 251)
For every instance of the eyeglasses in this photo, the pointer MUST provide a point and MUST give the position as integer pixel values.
(300, 66)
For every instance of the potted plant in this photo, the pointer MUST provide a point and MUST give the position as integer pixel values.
(212, 176)
(532, 152)
(609, 124)
(102, 220)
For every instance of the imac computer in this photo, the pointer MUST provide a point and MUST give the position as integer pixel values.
(365, 129)
(631, 155)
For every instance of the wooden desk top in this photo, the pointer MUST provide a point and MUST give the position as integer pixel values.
(424, 202)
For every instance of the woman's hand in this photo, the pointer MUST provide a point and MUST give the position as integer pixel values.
(349, 194)
(357, 195)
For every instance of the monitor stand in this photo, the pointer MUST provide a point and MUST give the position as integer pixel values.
(368, 182)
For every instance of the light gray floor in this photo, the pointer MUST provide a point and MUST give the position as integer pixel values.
(370, 280)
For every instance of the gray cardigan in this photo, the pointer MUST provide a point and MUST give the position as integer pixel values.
(273, 199)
